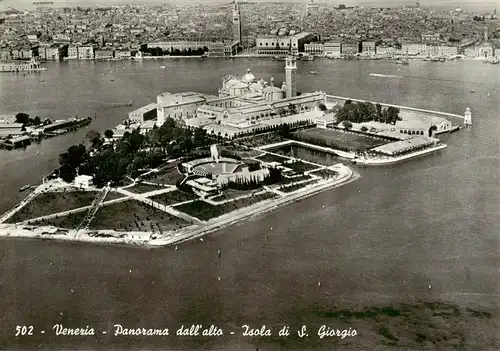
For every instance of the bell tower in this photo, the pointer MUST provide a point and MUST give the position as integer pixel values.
(236, 23)
(290, 77)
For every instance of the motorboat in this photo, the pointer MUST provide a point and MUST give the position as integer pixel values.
(25, 187)
(313, 72)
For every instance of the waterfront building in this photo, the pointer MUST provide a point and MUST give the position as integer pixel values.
(332, 49)
(143, 114)
(15, 66)
(282, 44)
(414, 49)
(368, 47)
(484, 51)
(123, 54)
(86, 52)
(101, 54)
(350, 48)
(316, 49)
(385, 50)
(73, 52)
(51, 53)
(442, 50)
(423, 125)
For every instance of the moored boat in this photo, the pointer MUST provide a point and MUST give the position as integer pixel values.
(25, 187)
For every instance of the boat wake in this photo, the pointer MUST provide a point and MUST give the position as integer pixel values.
(385, 75)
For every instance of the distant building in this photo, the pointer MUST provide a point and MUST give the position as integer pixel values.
(101, 54)
(290, 77)
(143, 114)
(312, 8)
(72, 52)
(414, 48)
(332, 49)
(368, 47)
(350, 48)
(316, 49)
(283, 45)
(86, 52)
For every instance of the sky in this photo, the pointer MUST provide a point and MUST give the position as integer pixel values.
(478, 5)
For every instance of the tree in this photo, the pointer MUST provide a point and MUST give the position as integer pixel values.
(108, 133)
(92, 134)
(22, 118)
(322, 107)
(347, 125)
(292, 109)
(37, 121)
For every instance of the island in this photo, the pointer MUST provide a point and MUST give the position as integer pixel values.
(191, 163)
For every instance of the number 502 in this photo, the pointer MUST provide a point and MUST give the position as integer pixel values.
(24, 330)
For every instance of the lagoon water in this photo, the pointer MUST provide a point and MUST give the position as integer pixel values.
(380, 240)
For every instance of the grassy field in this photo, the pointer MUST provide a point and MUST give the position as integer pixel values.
(333, 138)
(133, 215)
(173, 197)
(233, 194)
(260, 140)
(142, 188)
(70, 221)
(49, 203)
(205, 211)
(300, 167)
(272, 158)
(113, 195)
(168, 175)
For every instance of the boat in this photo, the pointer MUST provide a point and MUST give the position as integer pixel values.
(129, 103)
(313, 72)
(427, 59)
(442, 59)
(20, 66)
(495, 61)
(25, 187)
(435, 59)
(163, 67)
(403, 62)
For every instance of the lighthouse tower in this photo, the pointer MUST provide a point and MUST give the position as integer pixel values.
(291, 77)
(468, 117)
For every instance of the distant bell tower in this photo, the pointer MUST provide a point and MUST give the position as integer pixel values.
(291, 77)
(236, 22)
(467, 117)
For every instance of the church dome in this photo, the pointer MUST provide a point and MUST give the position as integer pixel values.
(248, 77)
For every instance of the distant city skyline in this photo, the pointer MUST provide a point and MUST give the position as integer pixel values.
(478, 5)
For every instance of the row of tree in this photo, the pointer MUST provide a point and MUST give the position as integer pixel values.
(132, 153)
(366, 111)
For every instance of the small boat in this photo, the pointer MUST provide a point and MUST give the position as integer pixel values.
(111, 80)
(442, 59)
(472, 91)
(129, 103)
(495, 61)
(163, 67)
(427, 59)
(26, 187)
(313, 72)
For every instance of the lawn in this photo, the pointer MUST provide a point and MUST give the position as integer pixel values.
(272, 158)
(205, 211)
(261, 140)
(113, 195)
(325, 173)
(167, 175)
(141, 188)
(173, 197)
(132, 215)
(54, 202)
(300, 167)
(229, 194)
(70, 221)
(337, 139)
